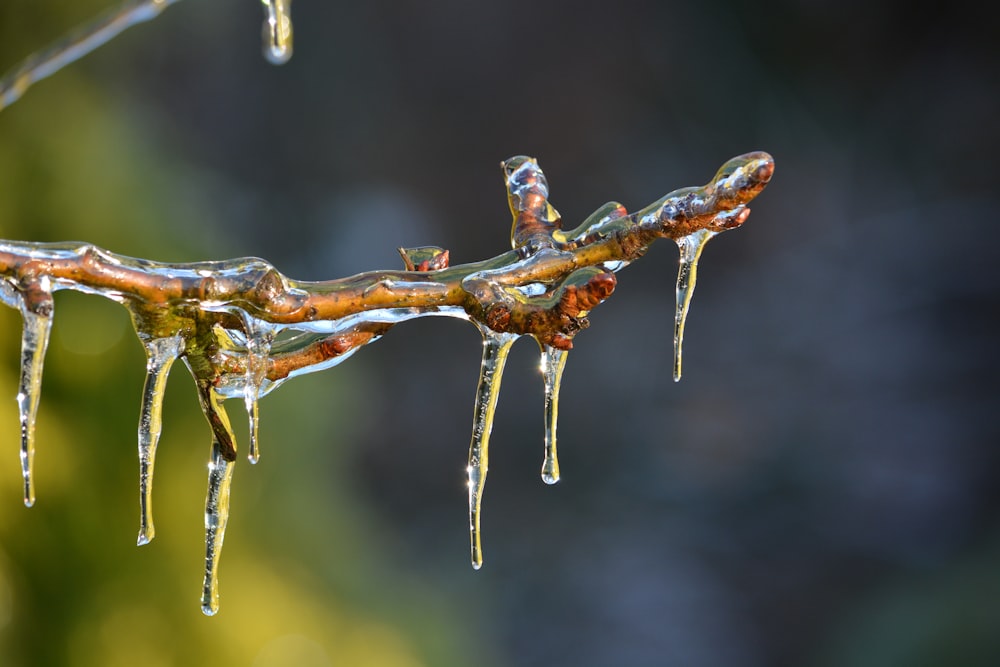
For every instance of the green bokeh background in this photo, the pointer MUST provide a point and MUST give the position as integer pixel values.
(821, 489)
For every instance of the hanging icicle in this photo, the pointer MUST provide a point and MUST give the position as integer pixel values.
(552, 363)
(37, 310)
(277, 32)
(161, 353)
(259, 336)
(687, 275)
(496, 346)
(220, 477)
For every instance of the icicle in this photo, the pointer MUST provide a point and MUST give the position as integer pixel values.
(687, 274)
(552, 364)
(253, 450)
(160, 356)
(278, 31)
(220, 477)
(37, 310)
(258, 345)
(495, 349)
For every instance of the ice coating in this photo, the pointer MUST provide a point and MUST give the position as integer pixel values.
(277, 31)
(687, 275)
(552, 363)
(37, 310)
(161, 353)
(496, 346)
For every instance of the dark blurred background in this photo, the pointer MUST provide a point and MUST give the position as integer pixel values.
(820, 489)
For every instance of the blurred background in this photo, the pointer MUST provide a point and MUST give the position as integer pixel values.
(819, 490)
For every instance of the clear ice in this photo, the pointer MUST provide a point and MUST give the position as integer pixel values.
(36, 307)
(277, 31)
(220, 478)
(496, 346)
(552, 364)
(259, 337)
(161, 353)
(687, 275)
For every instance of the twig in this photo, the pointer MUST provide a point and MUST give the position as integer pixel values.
(168, 298)
(74, 45)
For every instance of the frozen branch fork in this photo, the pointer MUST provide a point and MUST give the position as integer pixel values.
(242, 328)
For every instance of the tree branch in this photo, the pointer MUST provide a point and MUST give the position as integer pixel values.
(243, 328)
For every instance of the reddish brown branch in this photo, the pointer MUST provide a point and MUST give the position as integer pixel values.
(544, 287)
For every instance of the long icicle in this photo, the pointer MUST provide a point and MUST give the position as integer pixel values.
(220, 477)
(37, 310)
(160, 356)
(277, 31)
(552, 364)
(690, 247)
(496, 346)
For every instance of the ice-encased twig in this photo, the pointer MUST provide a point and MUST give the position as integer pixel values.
(161, 353)
(36, 309)
(541, 289)
(552, 364)
(76, 44)
(277, 31)
(690, 247)
(496, 346)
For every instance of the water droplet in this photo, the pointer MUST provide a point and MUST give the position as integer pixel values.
(496, 346)
(277, 31)
(552, 364)
(36, 309)
(160, 356)
(220, 477)
(687, 274)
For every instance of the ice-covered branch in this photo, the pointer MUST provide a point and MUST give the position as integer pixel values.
(243, 328)
(76, 44)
